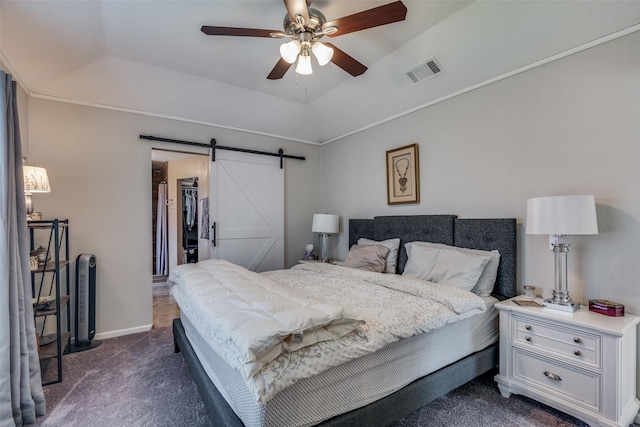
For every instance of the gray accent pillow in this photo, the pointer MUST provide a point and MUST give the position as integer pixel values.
(445, 266)
(487, 279)
(367, 257)
(392, 257)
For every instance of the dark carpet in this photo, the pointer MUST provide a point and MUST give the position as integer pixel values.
(137, 380)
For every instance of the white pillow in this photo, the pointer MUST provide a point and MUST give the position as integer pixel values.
(445, 266)
(487, 279)
(369, 257)
(392, 258)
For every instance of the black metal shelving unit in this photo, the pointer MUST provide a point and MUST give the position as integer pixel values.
(46, 281)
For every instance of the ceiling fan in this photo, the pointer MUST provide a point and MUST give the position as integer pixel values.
(305, 25)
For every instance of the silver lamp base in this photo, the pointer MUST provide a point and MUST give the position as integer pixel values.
(561, 299)
(28, 202)
(567, 306)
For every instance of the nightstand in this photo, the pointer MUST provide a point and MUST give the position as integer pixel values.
(581, 363)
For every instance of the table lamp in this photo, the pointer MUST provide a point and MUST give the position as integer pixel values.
(560, 216)
(35, 181)
(325, 224)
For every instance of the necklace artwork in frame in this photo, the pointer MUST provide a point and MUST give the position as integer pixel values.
(403, 175)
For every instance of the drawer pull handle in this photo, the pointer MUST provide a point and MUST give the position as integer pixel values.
(552, 376)
(577, 352)
(528, 327)
(577, 340)
(527, 339)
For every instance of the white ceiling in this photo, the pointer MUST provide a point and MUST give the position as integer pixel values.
(150, 56)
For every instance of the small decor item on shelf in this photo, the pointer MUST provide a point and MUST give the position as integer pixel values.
(606, 307)
(42, 255)
(33, 262)
(308, 252)
(44, 303)
(35, 216)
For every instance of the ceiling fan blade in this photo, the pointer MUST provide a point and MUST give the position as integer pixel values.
(346, 62)
(297, 7)
(382, 15)
(233, 31)
(279, 70)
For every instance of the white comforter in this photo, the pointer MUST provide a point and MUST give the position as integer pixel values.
(392, 307)
(254, 318)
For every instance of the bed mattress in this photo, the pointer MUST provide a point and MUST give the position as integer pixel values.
(355, 383)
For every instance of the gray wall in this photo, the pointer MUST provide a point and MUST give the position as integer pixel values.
(569, 127)
(100, 177)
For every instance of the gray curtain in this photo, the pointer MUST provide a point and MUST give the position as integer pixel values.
(21, 395)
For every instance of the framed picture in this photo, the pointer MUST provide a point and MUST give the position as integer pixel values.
(403, 175)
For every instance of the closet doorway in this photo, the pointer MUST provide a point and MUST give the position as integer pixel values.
(188, 218)
(180, 182)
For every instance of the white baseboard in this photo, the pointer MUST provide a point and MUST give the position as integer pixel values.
(121, 332)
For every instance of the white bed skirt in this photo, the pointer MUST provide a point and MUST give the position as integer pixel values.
(353, 384)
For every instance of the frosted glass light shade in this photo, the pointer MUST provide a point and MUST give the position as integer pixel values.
(304, 65)
(323, 53)
(562, 215)
(289, 51)
(35, 179)
(325, 223)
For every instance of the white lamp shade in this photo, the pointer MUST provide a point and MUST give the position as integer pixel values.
(323, 53)
(325, 223)
(562, 215)
(289, 51)
(35, 179)
(304, 65)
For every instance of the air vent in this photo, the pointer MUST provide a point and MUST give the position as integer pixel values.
(425, 71)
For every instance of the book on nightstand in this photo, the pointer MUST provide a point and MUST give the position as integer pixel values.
(606, 307)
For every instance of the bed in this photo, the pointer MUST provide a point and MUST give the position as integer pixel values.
(378, 388)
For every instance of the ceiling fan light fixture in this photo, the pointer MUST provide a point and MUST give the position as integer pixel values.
(289, 51)
(323, 53)
(304, 64)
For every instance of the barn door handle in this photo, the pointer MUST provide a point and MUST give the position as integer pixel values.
(214, 234)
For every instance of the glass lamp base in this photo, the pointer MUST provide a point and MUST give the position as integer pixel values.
(324, 248)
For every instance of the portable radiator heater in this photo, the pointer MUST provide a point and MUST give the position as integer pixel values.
(85, 316)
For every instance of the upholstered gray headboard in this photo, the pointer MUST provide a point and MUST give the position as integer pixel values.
(486, 234)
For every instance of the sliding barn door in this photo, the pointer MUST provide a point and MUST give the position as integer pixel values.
(247, 210)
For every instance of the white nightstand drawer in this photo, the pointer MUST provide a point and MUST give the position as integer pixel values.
(581, 386)
(575, 345)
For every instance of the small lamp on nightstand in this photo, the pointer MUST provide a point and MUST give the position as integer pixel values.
(325, 224)
(560, 216)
